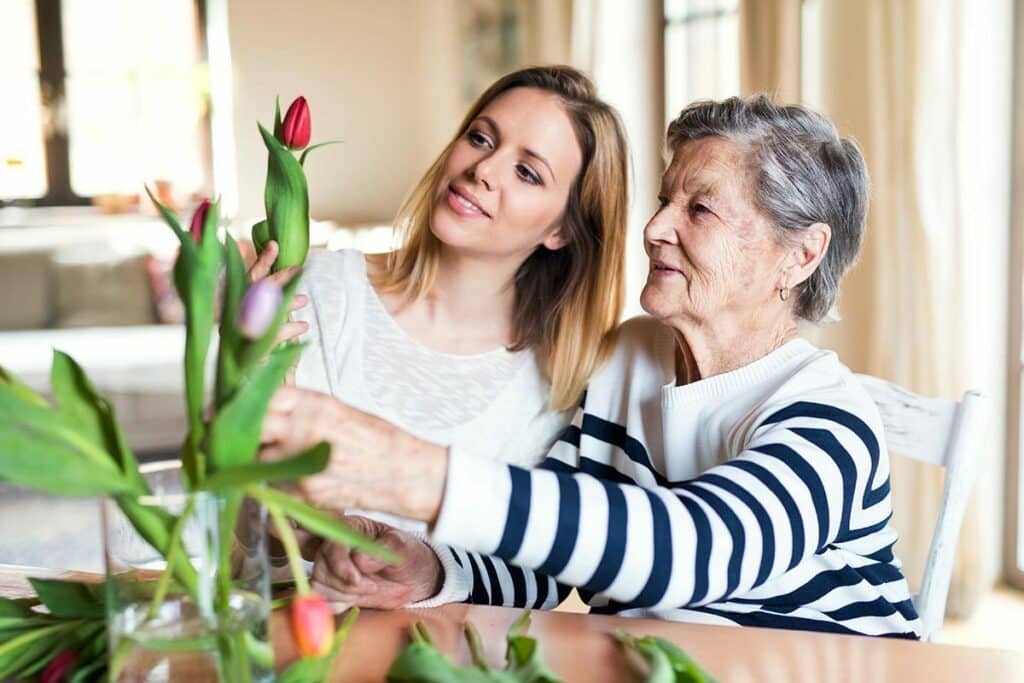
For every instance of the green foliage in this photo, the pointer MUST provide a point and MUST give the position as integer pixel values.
(666, 662)
(31, 637)
(286, 199)
(289, 469)
(422, 662)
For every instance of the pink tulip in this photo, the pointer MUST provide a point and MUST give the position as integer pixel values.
(198, 220)
(295, 130)
(59, 668)
(259, 306)
(312, 625)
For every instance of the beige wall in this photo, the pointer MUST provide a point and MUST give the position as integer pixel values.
(379, 74)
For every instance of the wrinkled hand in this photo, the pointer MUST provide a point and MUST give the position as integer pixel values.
(373, 466)
(355, 578)
(291, 329)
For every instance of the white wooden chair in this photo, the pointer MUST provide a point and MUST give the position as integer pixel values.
(949, 434)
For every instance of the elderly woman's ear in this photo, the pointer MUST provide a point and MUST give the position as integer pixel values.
(804, 257)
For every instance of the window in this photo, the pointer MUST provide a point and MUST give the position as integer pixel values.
(105, 94)
(701, 52)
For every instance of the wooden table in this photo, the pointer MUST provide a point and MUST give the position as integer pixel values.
(579, 648)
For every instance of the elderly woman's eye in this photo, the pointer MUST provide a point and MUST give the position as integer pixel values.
(662, 200)
(699, 208)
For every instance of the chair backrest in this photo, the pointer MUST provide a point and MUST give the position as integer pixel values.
(949, 434)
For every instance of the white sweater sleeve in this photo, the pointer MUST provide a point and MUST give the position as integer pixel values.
(787, 495)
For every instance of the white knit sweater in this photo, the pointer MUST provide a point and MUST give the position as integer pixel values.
(493, 402)
(755, 497)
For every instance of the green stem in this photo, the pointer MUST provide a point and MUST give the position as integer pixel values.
(339, 640)
(476, 646)
(291, 549)
(172, 553)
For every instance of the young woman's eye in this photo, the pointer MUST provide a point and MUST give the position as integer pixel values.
(528, 174)
(478, 139)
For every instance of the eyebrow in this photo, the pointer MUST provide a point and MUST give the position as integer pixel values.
(529, 152)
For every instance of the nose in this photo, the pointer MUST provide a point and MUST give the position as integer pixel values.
(660, 229)
(483, 172)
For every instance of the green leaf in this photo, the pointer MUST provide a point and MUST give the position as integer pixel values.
(231, 342)
(11, 385)
(168, 217)
(305, 670)
(68, 599)
(687, 669)
(42, 452)
(260, 235)
(91, 414)
(305, 152)
(303, 465)
(278, 125)
(235, 431)
(322, 523)
(286, 199)
(195, 276)
(14, 608)
(157, 527)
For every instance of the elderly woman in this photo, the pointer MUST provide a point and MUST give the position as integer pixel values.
(719, 469)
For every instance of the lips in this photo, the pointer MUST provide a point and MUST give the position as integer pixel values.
(661, 266)
(463, 203)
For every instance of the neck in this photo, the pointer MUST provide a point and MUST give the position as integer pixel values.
(706, 349)
(472, 293)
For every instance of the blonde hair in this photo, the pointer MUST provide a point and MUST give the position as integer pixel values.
(567, 301)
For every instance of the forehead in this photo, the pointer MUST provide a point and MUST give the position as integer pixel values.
(708, 165)
(537, 120)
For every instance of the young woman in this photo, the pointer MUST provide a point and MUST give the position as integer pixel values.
(484, 326)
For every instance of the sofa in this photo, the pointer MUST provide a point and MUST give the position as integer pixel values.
(98, 288)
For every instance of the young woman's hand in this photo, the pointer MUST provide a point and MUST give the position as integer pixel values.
(348, 578)
(373, 466)
(291, 329)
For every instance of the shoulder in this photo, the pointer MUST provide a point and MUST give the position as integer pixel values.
(640, 363)
(819, 392)
(333, 270)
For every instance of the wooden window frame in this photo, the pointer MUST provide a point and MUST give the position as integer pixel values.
(1013, 544)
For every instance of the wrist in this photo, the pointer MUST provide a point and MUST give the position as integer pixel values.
(424, 469)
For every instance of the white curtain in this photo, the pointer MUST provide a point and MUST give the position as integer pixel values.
(621, 45)
(923, 86)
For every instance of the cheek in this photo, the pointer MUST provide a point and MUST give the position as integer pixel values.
(528, 211)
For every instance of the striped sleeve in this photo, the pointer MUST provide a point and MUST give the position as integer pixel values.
(808, 477)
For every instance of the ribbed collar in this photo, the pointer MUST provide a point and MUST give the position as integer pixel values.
(721, 387)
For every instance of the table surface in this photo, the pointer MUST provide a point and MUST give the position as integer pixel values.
(580, 648)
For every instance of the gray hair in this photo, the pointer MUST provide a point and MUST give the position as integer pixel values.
(803, 173)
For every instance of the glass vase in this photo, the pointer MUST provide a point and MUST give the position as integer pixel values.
(205, 619)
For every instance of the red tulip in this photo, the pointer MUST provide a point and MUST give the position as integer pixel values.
(59, 667)
(198, 220)
(295, 130)
(312, 625)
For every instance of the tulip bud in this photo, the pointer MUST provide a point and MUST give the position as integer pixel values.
(259, 306)
(198, 220)
(295, 130)
(59, 667)
(312, 625)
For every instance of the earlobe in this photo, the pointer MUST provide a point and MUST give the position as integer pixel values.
(555, 241)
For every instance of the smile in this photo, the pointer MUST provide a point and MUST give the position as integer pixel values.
(464, 205)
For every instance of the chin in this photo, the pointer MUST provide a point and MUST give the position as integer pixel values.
(657, 303)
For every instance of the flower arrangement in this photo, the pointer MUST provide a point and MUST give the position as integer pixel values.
(73, 446)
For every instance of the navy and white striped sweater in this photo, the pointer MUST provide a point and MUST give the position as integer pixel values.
(758, 497)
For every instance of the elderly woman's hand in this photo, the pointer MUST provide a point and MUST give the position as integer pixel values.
(354, 578)
(374, 465)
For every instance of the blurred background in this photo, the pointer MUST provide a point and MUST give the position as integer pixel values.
(98, 97)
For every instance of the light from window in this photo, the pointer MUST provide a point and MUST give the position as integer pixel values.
(137, 92)
(22, 155)
(701, 52)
